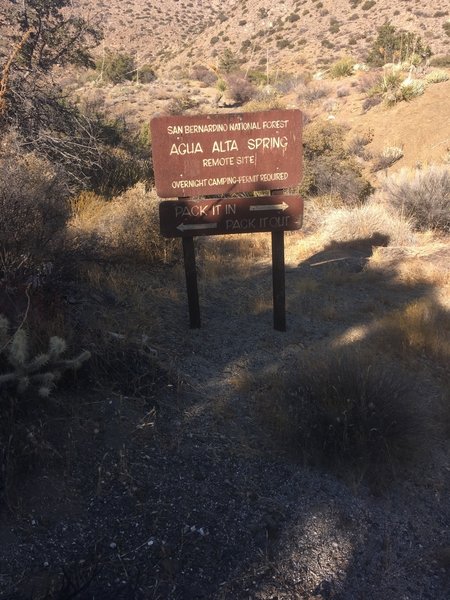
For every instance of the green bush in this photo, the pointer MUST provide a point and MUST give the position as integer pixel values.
(342, 68)
(228, 61)
(116, 67)
(146, 74)
(329, 168)
(392, 45)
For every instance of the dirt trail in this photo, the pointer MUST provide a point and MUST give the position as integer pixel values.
(193, 502)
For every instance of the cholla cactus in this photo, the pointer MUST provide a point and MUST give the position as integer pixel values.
(44, 370)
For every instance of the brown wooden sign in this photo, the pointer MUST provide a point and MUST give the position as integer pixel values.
(222, 154)
(220, 216)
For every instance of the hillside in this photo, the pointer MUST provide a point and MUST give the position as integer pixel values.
(173, 33)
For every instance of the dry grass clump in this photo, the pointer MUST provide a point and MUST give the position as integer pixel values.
(348, 412)
(423, 195)
(33, 210)
(264, 102)
(366, 221)
(421, 327)
(437, 76)
(308, 94)
(125, 227)
(342, 68)
(387, 157)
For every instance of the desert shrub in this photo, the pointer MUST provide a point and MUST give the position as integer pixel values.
(257, 77)
(334, 25)
(363, 222)
(368, 4)
(181, 104)
(329, 166)
(228, 61)
(392, 88)
(203, 74)
(342, 68)
(342, 91)
(371, 102)
(116, 66)
(411, 89)
(446, 27)
(437, 77)
(442, 60)
(312, 92)
(118, 170)
(286, 82)
(349, 412)
(392, 45)
(357, 145)
(146, 74)
(240, 89)
(283, 44)
(368, 80)
(327, 44)
(387, 157)
(421, 194)
(126, 227)
(33, 211)
(265, 102)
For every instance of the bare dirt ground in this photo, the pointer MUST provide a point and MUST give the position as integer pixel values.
(170, 487)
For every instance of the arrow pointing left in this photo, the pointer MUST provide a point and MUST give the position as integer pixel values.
(184, 227)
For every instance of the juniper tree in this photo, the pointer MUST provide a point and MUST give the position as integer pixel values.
(38, 36)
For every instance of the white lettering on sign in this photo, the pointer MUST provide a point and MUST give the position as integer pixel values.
(188, 148)
(281, 221)
(231, 224)
(174, 129)
(267, 143)
(273, 176)
(239, 126)
(219, 162)
(225, 146)
(275, 124)
(230, 180)
(190, 211)
(245, 160)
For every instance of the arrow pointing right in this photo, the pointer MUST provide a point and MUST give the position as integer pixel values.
(282, 206)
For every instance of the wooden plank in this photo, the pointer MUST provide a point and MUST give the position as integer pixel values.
(197, 155)
(278, 277)
(220, 216)
(191, 282)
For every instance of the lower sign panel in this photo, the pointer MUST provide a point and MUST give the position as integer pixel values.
(221, 216)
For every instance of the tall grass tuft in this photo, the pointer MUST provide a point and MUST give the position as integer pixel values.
(422, 195)
(349, 413)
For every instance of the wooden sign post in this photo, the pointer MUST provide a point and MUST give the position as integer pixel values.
(224, 154)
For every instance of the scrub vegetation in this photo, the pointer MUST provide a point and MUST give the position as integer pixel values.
(218, 430)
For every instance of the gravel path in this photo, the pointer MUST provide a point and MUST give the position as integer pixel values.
(190, 502)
